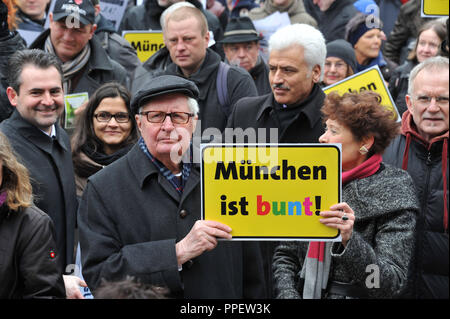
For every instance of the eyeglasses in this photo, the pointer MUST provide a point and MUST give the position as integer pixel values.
(426, 100)
(160, 117)
(337, 65)
(120, 117)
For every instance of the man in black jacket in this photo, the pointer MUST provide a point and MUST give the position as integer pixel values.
(422, 150)
(331, 16)
(86, 65)
(42, 146)
(296, 60)
(140, 216)
(241, 47)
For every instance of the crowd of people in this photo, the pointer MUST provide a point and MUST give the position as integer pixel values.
(112, 206)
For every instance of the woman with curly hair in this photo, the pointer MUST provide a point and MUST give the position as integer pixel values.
(376, 218)
(29, 260)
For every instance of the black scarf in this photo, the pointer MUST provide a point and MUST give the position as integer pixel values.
(85, 169)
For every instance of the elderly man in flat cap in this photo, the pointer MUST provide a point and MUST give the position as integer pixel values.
(241, 47)
(140, 216)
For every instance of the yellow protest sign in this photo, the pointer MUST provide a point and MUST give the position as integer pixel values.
(434, 8)
(369, 79)
(146, 43)
(269, 191)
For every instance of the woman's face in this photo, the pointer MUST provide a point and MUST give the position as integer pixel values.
(427, 45)
(111, 133)
(335, 70)
(368, 46)
(338, 133)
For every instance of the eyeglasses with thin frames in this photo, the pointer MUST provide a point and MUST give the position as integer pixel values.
(120, 117)
(160, 117)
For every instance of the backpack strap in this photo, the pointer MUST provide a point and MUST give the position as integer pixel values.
(222, 87)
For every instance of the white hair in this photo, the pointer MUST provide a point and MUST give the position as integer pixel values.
(171, 9)
(436, 63)
(306, 36)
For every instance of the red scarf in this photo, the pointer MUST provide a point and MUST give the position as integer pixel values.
(316, 271)
(366, 169)
(410, 131)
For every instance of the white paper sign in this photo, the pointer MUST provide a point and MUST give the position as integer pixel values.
(268, 26)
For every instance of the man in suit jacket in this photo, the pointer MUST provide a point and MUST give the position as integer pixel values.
(43, 147)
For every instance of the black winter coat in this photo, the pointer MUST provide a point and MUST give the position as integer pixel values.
(130, 219)
(8, 45)
(49, 163)
(398, 85)
(27, 268)
(333, 21)
(429, 275)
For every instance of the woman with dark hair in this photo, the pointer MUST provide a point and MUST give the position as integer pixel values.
(29, 261)
(429, 39)
(376, 218)
(105, 131)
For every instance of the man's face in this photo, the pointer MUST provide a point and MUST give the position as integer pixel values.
(186, 44)
(166, 141)
(69, 37)
(431, 118)
(289, 75)
(35, 9)
(323, 5)
(40, 99)
(244, 54)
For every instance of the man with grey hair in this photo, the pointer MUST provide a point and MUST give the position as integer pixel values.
(296, 59)
(422, 150)
(140, 216)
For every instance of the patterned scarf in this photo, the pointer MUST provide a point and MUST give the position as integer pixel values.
(70, 68)
(316, 267)
(177, 183)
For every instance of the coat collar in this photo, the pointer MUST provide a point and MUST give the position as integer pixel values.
(310, 107)
(143, 169)
(201, 78)
(35, 135)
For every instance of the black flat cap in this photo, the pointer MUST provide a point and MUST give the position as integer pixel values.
(240, 30)
(160, 85)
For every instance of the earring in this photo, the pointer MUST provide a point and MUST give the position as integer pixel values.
(363, 150)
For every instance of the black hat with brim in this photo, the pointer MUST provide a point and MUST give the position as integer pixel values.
(240, 30)
(162, 85)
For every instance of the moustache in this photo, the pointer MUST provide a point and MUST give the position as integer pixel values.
(280, 86)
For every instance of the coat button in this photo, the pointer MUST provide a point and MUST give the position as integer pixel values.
(183, 213)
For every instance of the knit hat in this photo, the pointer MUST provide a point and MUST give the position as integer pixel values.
(343, 50)
(359, 25)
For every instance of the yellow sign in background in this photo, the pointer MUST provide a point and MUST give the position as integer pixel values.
(281, 204)
(434, 8)
(146, 43)
(370, 79)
